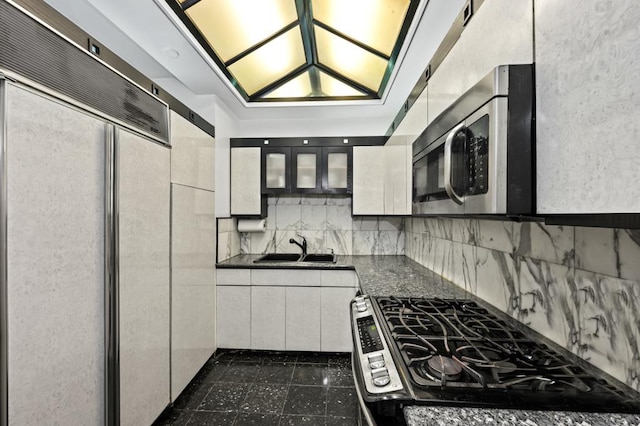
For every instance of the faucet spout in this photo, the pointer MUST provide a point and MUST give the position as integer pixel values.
(302, 246)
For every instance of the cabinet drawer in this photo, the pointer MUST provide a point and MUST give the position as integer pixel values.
(286, 277)
(338, 279)
(233, 276)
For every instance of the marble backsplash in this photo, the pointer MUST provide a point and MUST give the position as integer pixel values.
(228, 238)
(325, 222)
(578, 286)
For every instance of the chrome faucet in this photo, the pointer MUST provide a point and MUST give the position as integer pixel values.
(303, 246)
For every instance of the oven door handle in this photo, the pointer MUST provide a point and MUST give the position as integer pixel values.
(366, 413)
(448, 185)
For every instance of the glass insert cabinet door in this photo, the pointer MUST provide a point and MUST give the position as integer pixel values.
(276, 170)
(337, 174)
(307, 169)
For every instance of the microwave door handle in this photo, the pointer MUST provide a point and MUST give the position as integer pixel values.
(448, 186)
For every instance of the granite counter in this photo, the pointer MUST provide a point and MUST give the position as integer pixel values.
(448, 416)
(377, 275)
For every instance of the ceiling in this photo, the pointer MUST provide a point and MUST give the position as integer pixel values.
(300, 50)
(146, 34)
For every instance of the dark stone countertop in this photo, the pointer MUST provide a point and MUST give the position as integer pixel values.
(403, 277)
(378, 275)
(448, 416)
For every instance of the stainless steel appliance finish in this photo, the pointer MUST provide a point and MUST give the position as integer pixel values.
(477, 156)
(4, 367)
(111, 285)
(452, 352)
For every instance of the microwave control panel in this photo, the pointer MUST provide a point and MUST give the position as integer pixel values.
(478, 157)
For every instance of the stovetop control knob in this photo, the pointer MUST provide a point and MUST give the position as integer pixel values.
(376, 361)
(380, 377)
(361, 304)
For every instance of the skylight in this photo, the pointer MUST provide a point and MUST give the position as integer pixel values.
(288, 50)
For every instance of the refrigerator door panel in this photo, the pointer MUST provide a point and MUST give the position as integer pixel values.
(55, 261)
(144, 203)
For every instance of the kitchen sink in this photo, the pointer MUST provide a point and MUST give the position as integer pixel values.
(291, 257)
(319, 257)
(279, 257)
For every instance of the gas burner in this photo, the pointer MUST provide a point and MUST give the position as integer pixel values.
(444, 367)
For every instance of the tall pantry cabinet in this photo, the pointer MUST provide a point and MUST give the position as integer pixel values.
(193, 243)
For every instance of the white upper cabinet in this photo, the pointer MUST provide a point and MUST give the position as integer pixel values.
(368, 181)
(501, 32)
(381, 179)
(587, 78)
(245, 181)
(192, 155)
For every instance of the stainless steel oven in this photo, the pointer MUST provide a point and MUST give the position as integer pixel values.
(477, 157)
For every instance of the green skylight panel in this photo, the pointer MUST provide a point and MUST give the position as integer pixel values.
(232, 27)
(333, 87)
(349, 59)
(376, 23)
(299, 87)
(270, 62)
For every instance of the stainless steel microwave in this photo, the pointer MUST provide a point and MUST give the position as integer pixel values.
(478, 156)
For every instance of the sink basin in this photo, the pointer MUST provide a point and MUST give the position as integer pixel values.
(317, 257)
(294, 257)
(279, 257)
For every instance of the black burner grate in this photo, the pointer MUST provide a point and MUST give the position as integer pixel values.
(453, 344)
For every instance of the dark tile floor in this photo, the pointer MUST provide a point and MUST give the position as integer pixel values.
(263, 388)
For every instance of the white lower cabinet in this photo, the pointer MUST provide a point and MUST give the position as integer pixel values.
(233, 310)
(279, 309)
(302, 319)
(334, 316)
(267, 317)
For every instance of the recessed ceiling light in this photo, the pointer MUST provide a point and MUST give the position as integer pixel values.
(171, 53)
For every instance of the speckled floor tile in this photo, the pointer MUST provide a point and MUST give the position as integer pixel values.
(303, 421)
(341, 421)
(309, 374)
(211, 372)
(313, 358)
(264, 399)
(224, 397)
(279, 357)
(244, 419)
(175, 418)
(340, 360)
(276, 372)
(342, 402)
(192, 396)
(205, 418)
(306, 400)
(241, 372)
(339, 376)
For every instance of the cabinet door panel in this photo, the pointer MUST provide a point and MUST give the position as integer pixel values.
(246, 198)
(233, 317)
(268, 318)
(276, 170)
(336, 323)
(192, 154)
(303, 319)
(306, 170)
(193, 291)
(144, 194)
(337, 170)
(368, 180)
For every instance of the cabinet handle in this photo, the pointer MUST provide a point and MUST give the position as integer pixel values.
(448, 186)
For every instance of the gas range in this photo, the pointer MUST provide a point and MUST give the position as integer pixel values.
(457, 353)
